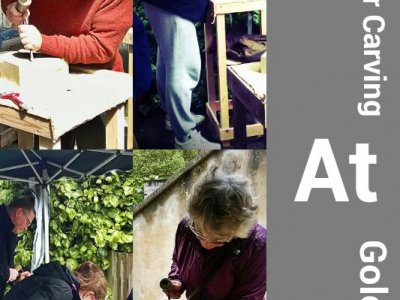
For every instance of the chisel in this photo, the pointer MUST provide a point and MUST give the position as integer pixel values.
(22, 7)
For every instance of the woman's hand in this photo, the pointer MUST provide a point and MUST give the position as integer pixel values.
(30, 36)
(175, 290)
(14, 16)
(13, 275)
(24, 275)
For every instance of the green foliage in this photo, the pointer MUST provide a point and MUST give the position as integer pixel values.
(89, 218)
(157, 164)
(9, 190)
(93, 217)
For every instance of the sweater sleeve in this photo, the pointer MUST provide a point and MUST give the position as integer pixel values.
(251, 280)
(100, 45)
(174, 274)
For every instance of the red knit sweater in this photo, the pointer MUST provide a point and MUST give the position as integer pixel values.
(82, 31)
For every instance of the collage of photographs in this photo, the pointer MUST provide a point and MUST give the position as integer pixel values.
(133, 150)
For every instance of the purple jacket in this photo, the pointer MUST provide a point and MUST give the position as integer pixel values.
(243, 274)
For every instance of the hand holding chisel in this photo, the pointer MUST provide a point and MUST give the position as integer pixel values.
(22, 7)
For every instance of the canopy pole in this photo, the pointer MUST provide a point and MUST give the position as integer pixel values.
(41, 249)
(30, 164)
(103, 164)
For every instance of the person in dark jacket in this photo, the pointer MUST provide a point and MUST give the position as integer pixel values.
(178, 66)
(53, 281)
(220, 250)
(14, 218)
(141, 59)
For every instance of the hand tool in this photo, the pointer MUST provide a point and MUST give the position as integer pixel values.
(165, 285)
(14, 97)
(22, 7)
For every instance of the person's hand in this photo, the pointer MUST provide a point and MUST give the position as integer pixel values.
(24, 275)
(30, 36)
(175, 290)
(13, 275)
(14, 16)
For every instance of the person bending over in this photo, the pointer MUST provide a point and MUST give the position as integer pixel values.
(53, 281)
(15, 218)
(220, 249)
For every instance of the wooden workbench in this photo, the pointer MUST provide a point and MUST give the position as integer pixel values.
(249, 88)
(58, 107)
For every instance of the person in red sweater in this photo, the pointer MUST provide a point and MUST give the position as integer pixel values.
(81, 32)
(85, 32)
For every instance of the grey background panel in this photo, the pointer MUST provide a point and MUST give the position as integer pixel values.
(315, 74)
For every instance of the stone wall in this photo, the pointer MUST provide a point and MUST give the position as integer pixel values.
(155, 221)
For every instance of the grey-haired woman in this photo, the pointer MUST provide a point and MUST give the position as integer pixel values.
(220, 249)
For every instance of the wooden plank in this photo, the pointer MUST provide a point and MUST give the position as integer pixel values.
(249, 75)
(130, 135)
(226, 7)
(114, 121)
(256, 129)
(130, 139)
(210, 75)
(222, 79)
(20, 120)
(226, 134)
(25, 140)
(249, 101)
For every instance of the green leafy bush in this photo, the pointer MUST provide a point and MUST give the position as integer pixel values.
(89, 218)
(93, 217)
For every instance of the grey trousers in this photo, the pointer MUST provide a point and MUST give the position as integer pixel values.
(178, 66)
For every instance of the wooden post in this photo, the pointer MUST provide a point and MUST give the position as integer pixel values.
(114, 119)
(25, 140)
(222, 81)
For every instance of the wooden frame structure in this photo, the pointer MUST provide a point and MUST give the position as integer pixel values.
(218, 107)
